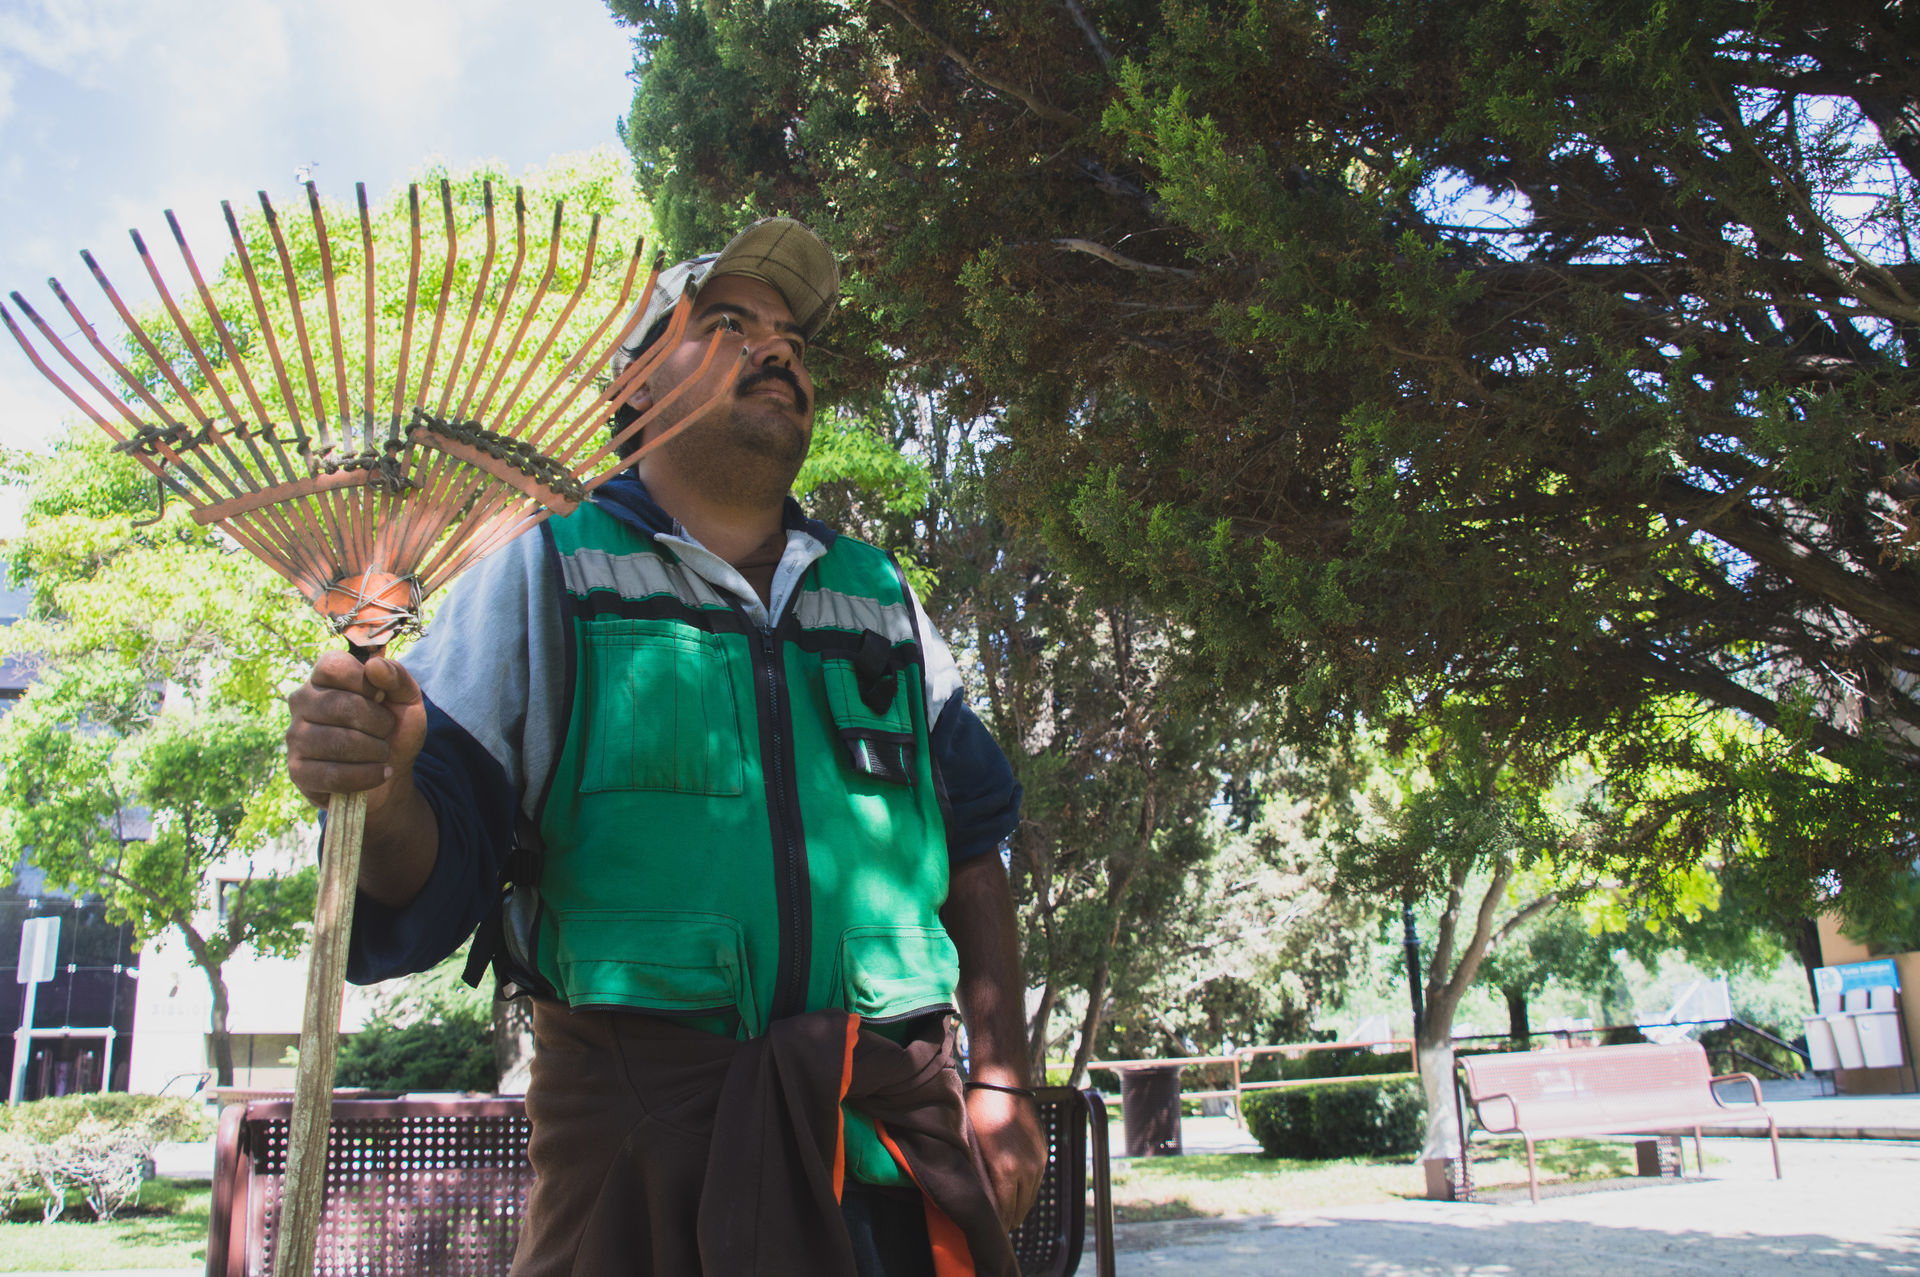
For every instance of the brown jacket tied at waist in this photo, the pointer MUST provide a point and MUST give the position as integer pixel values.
(663, 1151)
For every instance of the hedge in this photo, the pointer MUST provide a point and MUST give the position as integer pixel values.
(100, 1144)
(1360, 1117)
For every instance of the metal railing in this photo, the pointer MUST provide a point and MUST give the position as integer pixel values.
(1242, 1059)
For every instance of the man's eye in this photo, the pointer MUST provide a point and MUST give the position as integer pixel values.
(728, 323)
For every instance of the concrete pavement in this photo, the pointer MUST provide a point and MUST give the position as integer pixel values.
(1844, 1208)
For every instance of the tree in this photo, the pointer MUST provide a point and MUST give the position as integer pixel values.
(1119, 750)
(1470, 837)
(1554, 357)
(1556, 945)
(160, 651)
(165, 650)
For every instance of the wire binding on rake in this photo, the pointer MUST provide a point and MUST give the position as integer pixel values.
(369, 491)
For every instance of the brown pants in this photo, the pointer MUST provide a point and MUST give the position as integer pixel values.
(662, 1151)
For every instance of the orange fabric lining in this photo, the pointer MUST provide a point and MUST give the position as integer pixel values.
(952, 1257)
(840, 1112)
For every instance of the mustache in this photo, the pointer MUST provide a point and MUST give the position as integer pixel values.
(773, 372)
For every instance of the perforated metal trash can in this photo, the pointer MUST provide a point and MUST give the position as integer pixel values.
(1150, 1110)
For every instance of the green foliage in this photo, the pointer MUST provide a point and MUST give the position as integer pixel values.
(454, 1053)
(1361, 1117)
(1893, 923)
(97, 1145)
(1551, 357)
(432, 1033)
(160, 1118)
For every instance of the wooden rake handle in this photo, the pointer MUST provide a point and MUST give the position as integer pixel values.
(304, 1187)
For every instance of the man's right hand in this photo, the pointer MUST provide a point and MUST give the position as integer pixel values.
(356, 729)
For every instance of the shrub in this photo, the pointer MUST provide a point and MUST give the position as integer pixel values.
(1360, 1117)
(452, 1052)
(105, 1162)
(158, 1117)
(101, 1144)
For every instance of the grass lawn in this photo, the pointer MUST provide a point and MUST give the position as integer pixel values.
(168, 1229)
(1152, 1188)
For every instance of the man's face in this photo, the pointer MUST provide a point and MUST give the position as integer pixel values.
(770, 417)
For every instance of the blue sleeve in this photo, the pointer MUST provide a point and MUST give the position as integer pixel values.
(982, 799)
(473, 804)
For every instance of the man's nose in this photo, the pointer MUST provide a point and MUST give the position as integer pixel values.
(769, 347)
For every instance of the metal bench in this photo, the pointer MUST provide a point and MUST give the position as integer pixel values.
(1607, 1090)
(422, 1187)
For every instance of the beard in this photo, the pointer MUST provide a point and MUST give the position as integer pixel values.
(746, 455)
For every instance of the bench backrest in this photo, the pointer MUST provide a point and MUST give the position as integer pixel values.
(1637, 1082)
(422, 1188)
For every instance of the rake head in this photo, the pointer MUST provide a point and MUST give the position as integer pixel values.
(370, 473)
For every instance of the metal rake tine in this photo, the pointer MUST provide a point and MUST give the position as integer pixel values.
(211, 432)
(146, 344)
(631, 378)
(79, 401)
(230, 347)
(473, 310)
(366, 257)
(333, 310)
(180, 324)
(133, 383)
(637, 426)
(506, 298)
(541, 433)
(497, 530)
(446, 285)
(288, 398)
(512, 349)
(536, 435)
(323, 434)
(313, 506)
(413, 297)
(580, 434)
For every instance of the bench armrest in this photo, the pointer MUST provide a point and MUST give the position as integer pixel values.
(1748, 1078)
(1479, 1111)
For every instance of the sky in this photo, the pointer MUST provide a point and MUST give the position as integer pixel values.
(112, 111)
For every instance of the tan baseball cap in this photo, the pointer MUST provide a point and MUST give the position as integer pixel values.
(778, 251)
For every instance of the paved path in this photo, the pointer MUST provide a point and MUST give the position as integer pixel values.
(1848, 1208)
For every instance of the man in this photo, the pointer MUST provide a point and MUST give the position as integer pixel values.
(753, 833)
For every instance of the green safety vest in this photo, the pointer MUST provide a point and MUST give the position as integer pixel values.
(741, 819)
(743, 823)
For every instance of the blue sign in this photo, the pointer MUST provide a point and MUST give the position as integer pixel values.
(1878, 974)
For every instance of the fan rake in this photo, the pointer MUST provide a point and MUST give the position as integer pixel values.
(369, 473)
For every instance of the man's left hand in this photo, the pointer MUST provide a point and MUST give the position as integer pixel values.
(1014, 1149)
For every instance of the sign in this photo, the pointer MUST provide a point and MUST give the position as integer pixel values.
(1836, 981)
(39, 942)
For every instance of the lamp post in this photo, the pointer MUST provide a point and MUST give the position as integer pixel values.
(1413, 968)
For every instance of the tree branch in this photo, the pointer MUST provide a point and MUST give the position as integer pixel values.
(1093, 35)
(1476, 949)
(1107, 255)
(1001, 87)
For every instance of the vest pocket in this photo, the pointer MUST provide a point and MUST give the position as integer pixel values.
(877, 743)
(655, 960)
(660, 710)
(893, 971)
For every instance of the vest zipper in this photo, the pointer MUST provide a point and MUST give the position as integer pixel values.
(790, 862)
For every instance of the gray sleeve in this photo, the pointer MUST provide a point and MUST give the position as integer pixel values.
(493, 660)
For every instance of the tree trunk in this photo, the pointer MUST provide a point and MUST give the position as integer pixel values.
(1806, 944)
(1090, 1025)
(219, 1041)
(513, 1045)
(1037, 1030)
(1518, 1027)
(1435, 1046)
